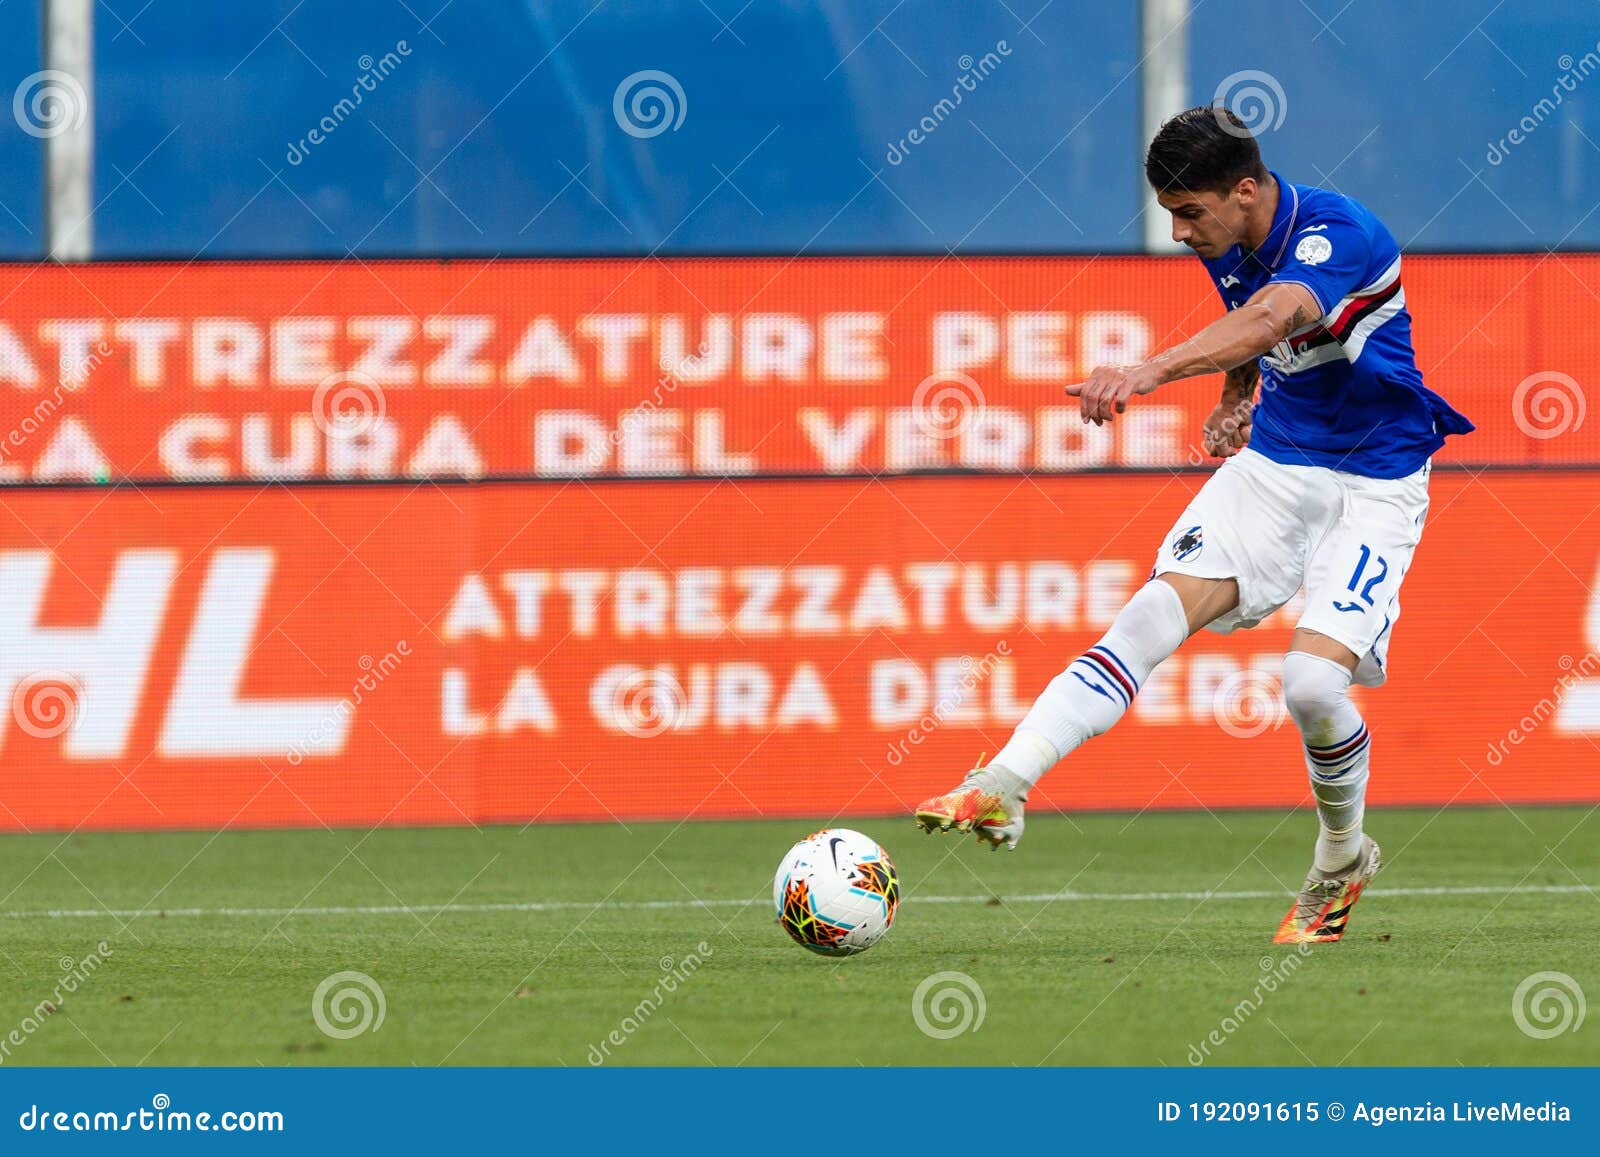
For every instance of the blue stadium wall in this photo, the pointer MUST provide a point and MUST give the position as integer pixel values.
(494, 133)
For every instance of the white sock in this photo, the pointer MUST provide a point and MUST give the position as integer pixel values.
(1338, 750)
(1088, 697)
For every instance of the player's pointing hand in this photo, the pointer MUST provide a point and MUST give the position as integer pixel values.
(1109, 388)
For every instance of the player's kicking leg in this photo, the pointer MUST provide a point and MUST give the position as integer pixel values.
(1083, 701)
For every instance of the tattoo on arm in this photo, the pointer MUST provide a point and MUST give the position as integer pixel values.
(1239, 383)
(1301, 316)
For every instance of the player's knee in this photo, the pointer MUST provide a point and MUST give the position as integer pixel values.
(1316, 692)
(1150, 626)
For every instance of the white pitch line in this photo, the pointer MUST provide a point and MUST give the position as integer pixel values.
(637, 905)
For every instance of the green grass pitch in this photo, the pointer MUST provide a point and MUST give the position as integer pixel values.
(534, 946)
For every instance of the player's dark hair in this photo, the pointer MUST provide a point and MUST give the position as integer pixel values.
(1203, 150)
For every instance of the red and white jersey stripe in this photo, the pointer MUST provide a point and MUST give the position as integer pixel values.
(1342, 332)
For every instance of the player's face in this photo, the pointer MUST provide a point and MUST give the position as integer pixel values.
(1208, 223)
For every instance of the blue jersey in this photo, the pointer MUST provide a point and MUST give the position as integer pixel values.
(1344, 391)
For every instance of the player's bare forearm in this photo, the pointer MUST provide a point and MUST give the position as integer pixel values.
(1241, 335)
(1233, 340)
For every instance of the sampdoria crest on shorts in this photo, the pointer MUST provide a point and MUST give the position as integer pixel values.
(1313, 250)
(1188, 543)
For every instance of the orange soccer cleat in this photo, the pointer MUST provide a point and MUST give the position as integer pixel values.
(987, 802)
(1322, 909)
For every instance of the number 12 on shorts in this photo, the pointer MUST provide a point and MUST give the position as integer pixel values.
(1364, 590)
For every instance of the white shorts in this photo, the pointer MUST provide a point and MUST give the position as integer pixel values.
(1275, 528)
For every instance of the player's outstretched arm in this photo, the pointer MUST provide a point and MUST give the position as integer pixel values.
(1237, 337)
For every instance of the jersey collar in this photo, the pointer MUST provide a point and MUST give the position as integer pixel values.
(1283, 222)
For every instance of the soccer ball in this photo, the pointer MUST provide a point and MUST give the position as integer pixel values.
(836, 892)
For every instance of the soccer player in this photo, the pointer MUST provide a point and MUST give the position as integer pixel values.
(1324, 485)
